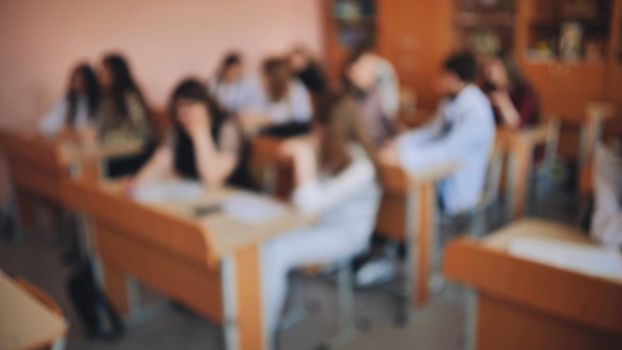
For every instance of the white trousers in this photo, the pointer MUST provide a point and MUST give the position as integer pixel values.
(313, 245)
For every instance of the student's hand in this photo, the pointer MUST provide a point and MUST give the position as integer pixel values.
(389, 154)
(128, 185)
(86, 135)
(195, 120)
(500, 98)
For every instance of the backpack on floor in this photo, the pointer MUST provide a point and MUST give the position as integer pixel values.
(98, 317)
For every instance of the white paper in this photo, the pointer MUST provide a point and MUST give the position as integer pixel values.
(602, 261)
(168, 191)
(252, 209)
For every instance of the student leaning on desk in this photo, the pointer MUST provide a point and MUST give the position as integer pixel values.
(205, 143)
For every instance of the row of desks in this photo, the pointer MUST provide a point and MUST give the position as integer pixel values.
(211, 264)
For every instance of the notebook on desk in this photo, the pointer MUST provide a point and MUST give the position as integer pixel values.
(252, 209)
(589, 259)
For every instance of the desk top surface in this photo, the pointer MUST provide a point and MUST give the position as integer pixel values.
(24, 321)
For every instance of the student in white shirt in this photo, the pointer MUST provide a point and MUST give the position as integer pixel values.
(606, 226)
(76, 112)
(335, 178)
(231, 88)
(462, 134)
(373, 81)
(285, 108)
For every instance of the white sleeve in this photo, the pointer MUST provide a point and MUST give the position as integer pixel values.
(300, 103)
(318, 196)
(389, 90)
(254, 97)
(607, 218)
(451, 149)
(54, 120)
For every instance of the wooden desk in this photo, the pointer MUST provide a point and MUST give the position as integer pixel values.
(26, 323)
(211, 264)
(520, 146)
(522, 304)
(38, 166)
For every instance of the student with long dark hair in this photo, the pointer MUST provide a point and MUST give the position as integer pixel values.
(204, 145)
(76, 112)
(514, 101)
(123, 115)
(335, 177)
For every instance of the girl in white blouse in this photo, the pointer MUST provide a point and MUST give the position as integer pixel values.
(76, 112)
(335, 178)
(231, 88)
(607, 219)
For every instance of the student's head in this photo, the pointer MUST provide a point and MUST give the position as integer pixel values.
(82, 82)
(231, 68)
(360, 70)
(300, 58)
(277, 77)
(459, 69)
(501, 71)
(191, 100)
(337, 125)
(115, 74)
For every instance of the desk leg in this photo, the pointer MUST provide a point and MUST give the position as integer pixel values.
(470, 319)
(242, 302)
(518, 178)
(424, 240)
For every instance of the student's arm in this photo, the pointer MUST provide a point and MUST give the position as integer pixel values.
(160, 165)
(215, 166)
(54, 121)
(467, 132)
(300, 102)
(510, 115)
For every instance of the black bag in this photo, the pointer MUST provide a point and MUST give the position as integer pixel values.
(98, 317)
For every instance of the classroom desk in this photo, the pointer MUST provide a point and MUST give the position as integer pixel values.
(38, 166)
(523, 304)
(520, 146)
(211, 264)
(26, 323)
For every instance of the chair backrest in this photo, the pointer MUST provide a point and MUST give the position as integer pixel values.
(493, 178)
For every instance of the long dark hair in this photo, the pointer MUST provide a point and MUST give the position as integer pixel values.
(193, 89)
(90, 90)
(230, 60)
(279, 76)
(122, 83)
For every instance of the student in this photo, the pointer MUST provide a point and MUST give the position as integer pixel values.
(461, 133)
(285, 109)
(123, 115)
(204, 145)
(514, 101)
(606, 226)
(75, 114)
(307, 69)
(231, 88)
(335, 178)
(374, 83)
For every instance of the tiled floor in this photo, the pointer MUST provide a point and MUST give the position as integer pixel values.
(438, 326)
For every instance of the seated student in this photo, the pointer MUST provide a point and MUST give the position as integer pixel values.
(375, 85)
(231, 88)
(335, 178)
(514, 101)
(285, 109)
(123, 115)
(204, 145)
(606, 226)
(461, 133)
(307, 69)
(74, 115)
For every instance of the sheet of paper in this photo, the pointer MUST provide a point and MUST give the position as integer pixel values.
(171, 190)
(601, 261)
(252, 209)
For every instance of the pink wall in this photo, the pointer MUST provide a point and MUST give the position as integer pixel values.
(164, 40)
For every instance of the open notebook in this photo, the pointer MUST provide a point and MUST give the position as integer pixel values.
(594, 260)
